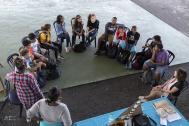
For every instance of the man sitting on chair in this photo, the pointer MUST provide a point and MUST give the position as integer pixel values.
(108, 36)
(159, 61)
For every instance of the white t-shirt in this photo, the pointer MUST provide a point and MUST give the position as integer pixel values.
(58, 113)
(35, 45)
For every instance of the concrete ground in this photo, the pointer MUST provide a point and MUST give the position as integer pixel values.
(97, 98)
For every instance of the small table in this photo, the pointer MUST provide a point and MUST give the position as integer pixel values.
(147, 109)
(101, 120)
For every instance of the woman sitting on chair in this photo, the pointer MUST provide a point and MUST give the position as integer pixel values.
(50, 110)
(78, 29)
(60, 28)
(92, 28)
(171, 87)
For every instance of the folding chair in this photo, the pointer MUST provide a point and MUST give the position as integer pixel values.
(166, 73)
(10, 60)
(11, 97)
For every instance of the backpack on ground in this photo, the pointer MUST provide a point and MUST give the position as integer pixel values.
(81, 47)
(123, 56)
(112, 51)
(52, 71)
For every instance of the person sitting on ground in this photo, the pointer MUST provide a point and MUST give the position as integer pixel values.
(172, 87)
(121, 37)
(108, 36)
(50, 109)
(92, 28)
(60, 27)
(45, 41)
(159, 61)
(78, 30)
(25, 83)
(132, 39)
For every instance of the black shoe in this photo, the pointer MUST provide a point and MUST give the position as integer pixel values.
(97, 53)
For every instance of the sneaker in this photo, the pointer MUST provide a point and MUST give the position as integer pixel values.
(141, 97)
(67, 49)
(97, 52)
(58, 61)
(61, 57)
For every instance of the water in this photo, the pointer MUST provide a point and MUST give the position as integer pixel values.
(20, 17)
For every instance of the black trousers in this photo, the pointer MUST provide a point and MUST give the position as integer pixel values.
(74, 38)
(55, 47)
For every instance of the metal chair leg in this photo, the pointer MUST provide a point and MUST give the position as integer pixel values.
(4, 103)
(95, 42)
(21, 108)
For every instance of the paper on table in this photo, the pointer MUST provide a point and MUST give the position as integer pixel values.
(163, 121)
(173, 117)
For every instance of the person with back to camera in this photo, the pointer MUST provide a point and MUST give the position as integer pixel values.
(27, 87)
(108, 36)
(50, 111)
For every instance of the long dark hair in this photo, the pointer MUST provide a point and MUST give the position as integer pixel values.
(77, 24)
(53, 95)
(58, 19)
(181, 75)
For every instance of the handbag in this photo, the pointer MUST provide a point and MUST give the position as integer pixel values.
(143, 120)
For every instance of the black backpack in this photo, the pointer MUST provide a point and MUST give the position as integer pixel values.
(112, 51)
(81, 47)
(142, 120)
(52, 71)
(123, 56)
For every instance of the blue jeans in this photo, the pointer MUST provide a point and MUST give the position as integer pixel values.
(64, 36)
(91, 36)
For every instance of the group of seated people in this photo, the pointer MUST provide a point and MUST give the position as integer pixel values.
(118, 35)
(33, 57)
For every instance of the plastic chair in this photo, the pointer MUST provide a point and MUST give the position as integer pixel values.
(11, 97)
(46, 123)
(57, 32)
(10, 60)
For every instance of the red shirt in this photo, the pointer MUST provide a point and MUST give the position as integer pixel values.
(123, 37)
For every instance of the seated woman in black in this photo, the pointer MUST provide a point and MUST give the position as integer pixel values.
(92, 28)
(172, 87)
(78, 29)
